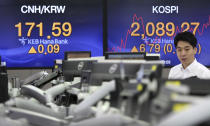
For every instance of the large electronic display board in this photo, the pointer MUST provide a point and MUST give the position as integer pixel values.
(33, 33)
(150, 26)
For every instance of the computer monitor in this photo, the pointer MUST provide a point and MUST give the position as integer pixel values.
(74, 68)
(77, 54)
(4, 96)
(196, 86)
(124, 55)
(109, 70)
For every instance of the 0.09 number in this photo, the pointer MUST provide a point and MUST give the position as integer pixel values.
(50, 48)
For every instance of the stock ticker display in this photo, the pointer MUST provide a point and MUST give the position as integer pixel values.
(33, 33)
(151, 25)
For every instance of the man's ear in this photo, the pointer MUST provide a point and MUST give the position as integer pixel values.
(195, 50)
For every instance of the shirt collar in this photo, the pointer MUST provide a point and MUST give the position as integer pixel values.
(191, 66)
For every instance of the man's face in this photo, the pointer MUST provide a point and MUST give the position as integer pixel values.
(185, 53)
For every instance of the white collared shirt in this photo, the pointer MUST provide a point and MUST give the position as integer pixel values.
(194, 69)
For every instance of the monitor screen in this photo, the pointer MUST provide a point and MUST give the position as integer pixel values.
(33, 33)
(77, 54)
(109, 70)
(75, 68)
(151, 25)
(124, 55)
(196, 86)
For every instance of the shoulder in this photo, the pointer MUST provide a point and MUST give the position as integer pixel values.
(204, 72)
(201, 67)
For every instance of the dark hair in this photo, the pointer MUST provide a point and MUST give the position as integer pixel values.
(185, 36)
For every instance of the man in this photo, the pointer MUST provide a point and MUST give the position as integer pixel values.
(185, 44)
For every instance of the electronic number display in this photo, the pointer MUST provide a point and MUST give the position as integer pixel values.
(33, 33)
(151, 25)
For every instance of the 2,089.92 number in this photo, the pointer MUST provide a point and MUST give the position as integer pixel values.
(161, 29)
